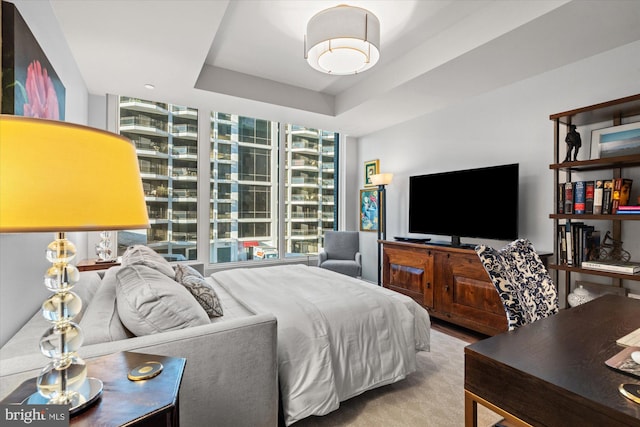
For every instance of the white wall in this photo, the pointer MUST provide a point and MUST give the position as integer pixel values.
(22, 256)
(508, 125)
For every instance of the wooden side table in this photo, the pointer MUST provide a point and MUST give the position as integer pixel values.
(93, 264)
(146, 403)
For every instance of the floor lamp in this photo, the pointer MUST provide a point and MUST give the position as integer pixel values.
(52, 180)
(381, 180)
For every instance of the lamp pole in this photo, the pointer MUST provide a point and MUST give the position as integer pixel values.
(382, 201)
(381, 180)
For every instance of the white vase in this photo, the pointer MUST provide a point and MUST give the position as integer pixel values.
(579, 296)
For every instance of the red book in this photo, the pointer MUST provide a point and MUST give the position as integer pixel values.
(568, 198)
(589, 197)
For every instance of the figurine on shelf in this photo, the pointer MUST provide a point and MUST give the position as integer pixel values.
(611, 249)
(574, 142)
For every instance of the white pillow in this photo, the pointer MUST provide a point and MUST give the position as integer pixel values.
(150, 302)
(140, 254)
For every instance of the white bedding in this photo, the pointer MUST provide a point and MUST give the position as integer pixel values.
(337, 336)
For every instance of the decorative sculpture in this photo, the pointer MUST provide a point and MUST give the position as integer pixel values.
(574, 142)
(611, 249)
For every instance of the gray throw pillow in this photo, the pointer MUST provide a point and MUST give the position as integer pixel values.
(150, 302)
(140, 254)
(204, 294)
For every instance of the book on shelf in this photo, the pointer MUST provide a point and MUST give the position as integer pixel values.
(584, 247)
(576, 239)
(620, 194)
(624, 267)
(606, 196)
(561, 193)
(591, 245)
(625, 191)
(569, 243)
(589, 189)
(562, 243)
(572, 237)
(629, 210)
(598, 189)
(568, 197)
(579, 197)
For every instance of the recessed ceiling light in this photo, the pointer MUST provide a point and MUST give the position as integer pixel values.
(149, 86)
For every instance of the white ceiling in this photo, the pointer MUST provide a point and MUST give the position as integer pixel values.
(246, 56)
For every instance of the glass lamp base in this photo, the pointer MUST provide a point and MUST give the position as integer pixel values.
(87, 395)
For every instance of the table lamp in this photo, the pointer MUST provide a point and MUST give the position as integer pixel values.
(52, 178)
(381, 180)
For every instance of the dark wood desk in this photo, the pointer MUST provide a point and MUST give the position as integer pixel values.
(552, 372)
(149, 403)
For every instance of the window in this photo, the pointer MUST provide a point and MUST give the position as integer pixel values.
(310, 190)
(166, 140)
(242, 180)
(245, 189)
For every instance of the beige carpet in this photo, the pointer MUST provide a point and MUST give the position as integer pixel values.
(433, 396)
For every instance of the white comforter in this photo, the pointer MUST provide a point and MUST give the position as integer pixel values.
(337, 336)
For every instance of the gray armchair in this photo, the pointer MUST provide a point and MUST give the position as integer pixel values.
(341, 253)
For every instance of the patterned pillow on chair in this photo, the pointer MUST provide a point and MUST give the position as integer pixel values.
(525, 288)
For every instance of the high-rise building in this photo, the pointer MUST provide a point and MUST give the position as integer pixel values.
(166, 140)
(244, 187)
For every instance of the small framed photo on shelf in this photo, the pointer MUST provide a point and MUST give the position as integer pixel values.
(622, 140)
(369, 205)
(372, 167)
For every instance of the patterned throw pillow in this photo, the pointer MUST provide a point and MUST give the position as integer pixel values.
(523, 283)
(184, 270)
(203, 293)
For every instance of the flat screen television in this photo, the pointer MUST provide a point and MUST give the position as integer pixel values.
(479, 203)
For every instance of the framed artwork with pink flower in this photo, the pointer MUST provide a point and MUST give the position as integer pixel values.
(30, 85)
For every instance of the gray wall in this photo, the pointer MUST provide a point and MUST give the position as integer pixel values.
(509, 125)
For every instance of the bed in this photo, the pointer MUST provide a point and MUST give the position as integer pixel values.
(337, 336)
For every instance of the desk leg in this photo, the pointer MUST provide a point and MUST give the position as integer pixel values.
(470, 410)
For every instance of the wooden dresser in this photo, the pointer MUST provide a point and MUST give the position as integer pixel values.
(449, 282)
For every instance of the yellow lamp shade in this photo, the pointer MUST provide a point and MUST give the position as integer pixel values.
(57, 176)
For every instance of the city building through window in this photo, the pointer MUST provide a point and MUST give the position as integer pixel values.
(245, 192)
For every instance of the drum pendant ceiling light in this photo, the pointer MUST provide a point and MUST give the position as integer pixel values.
(343, 40)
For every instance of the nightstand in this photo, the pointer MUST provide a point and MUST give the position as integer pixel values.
(146, 403)
(93, 264)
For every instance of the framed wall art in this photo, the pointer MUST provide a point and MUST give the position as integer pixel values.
(369, 205)
(372, 167)
(622, 140)
(30, 85)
